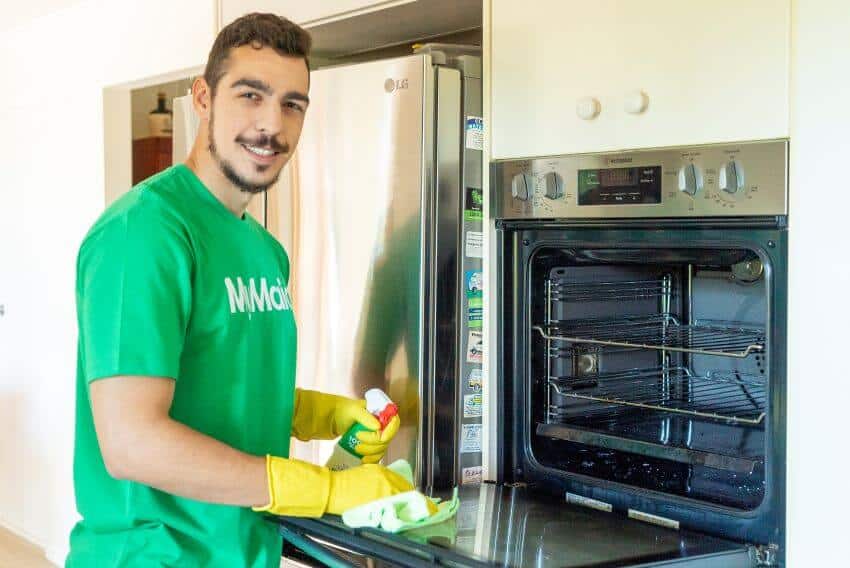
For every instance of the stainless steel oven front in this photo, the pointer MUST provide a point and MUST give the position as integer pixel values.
(641, 310)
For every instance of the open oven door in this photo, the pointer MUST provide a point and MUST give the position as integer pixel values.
(513, 526)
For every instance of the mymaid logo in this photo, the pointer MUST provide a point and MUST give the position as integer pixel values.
(255, 297)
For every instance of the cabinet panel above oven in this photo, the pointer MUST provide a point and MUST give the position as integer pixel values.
(572, 76)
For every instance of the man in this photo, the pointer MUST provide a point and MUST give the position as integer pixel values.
(185, 378)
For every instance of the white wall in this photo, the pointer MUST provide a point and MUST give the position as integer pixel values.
(819, 390)
(52, 188)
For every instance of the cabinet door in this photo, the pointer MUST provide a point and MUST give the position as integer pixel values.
(299, 11)
(710, 71)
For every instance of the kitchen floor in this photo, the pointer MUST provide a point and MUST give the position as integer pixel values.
(17, 552)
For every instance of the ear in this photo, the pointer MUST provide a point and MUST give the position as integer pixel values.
(202, 98)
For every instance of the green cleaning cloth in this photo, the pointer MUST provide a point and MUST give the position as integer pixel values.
(401, 512)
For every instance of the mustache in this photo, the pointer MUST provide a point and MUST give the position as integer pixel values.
(266, 142)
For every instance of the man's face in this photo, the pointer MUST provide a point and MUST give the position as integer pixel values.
(257, 114)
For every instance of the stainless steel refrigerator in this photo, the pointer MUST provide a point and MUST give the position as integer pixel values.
(385, 212)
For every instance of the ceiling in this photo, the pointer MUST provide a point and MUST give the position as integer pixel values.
(19, 12)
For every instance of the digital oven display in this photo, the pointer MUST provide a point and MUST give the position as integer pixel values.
(620, 186)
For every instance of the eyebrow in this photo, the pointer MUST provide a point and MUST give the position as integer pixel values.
(261, 86)
(264, 88)
(296, 96)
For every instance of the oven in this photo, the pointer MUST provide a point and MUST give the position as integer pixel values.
(642, 315)
(635, 405)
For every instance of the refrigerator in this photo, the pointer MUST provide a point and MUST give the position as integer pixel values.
(386, 243)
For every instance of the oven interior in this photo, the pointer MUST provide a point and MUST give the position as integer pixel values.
(649, 368)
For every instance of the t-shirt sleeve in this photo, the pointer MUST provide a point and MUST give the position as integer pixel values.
(134, 293)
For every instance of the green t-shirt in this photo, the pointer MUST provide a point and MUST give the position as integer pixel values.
(172, 284)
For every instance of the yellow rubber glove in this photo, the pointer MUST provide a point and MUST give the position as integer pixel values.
(373, 445)
(321, 416)
(301, 489)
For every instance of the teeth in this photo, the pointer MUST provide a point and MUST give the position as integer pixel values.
(259, 151)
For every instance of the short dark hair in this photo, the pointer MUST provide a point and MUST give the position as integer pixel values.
(257, 30)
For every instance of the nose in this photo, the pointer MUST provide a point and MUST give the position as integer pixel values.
(270, 120)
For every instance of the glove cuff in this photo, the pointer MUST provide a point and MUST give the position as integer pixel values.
(296, 488)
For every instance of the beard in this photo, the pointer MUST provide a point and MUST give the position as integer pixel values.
(235, 177)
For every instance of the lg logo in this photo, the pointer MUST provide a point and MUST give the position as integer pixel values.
(391, 85)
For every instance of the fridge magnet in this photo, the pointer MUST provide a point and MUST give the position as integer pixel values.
(473, 381)
(474, 132)
(476, 312)
(475, 244)
(470, 475)
(473, 209)
(472, 405)
(470, 439)
(474, 283)
(467, 511)
(475, 347)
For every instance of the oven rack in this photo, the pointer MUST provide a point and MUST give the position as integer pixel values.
(717, 395)
(661, 332)
(624, 290)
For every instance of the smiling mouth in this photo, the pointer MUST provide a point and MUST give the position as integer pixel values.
(262, 153)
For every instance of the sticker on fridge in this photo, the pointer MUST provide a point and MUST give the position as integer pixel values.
(472, 405)
(473, 381)
(470, 475)
(474, 284)
(475, 316)
(475, 133)
(467, 513)
(475, 347)
(475, 244)
(465, 543)
(473, 208)
(470, 439)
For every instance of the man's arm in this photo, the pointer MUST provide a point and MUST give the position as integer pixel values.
(140, 442)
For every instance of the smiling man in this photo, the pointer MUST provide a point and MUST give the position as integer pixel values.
(186, 360)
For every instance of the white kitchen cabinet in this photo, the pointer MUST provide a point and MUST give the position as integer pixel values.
(705, 70)
(300, 11)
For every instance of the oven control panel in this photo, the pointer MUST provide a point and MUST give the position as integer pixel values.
(721, 180)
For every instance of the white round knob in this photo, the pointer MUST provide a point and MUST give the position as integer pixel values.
(731, 178)
(690, 179)
(522, 187)
(554, 185)
(635, 102)
(588, 108)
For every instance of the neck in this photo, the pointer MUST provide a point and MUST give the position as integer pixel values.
(202, 163)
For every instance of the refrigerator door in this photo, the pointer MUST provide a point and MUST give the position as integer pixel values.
(513, 527)
(362, 240)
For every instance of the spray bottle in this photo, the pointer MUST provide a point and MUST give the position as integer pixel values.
(344, 455)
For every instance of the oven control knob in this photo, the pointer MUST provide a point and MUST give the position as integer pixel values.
(690, 179)
(731, 178)
(554, 185)
(522, 186)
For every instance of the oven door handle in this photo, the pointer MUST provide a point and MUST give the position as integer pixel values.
(313, 549)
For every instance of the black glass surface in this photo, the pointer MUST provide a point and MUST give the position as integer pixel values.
(515, 526)
(620, 186)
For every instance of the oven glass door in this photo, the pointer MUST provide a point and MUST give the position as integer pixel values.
(649, 362)
(512, 526)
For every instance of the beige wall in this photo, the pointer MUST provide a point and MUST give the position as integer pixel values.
(52, 179)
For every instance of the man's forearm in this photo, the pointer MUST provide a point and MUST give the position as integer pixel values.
(174, 458)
